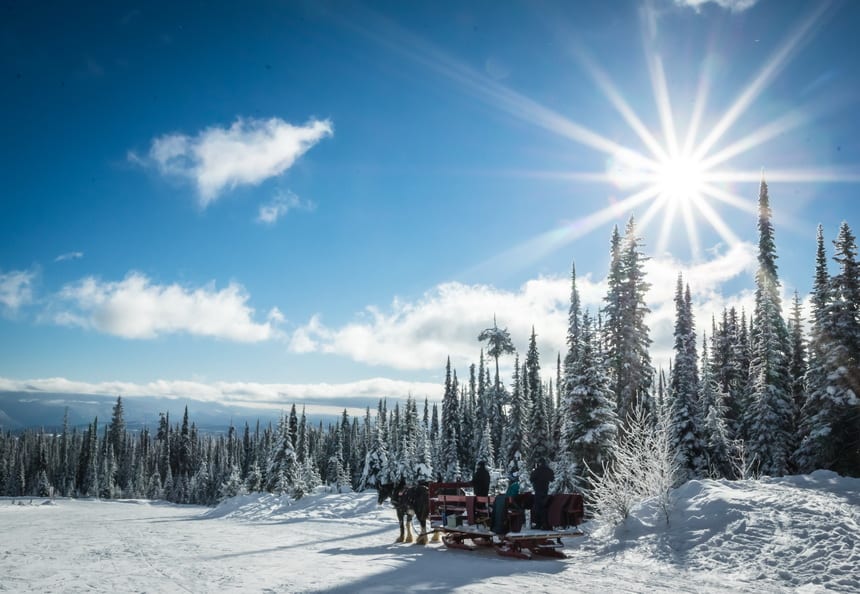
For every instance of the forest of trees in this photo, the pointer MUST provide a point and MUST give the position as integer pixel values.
(750, 393)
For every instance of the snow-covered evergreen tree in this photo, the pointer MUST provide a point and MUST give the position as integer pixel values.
(797, 370)
(626, 331)
(540, 437)
(684, 409)
(423, 461)
(376, 462)
(717, 440)
(591, 426)
(281, 462)
(449, 462)
(467, 428)
(769, 413)
(485, 448)
(564, 466)
(831, 415)
(90, 483)
(515, 436)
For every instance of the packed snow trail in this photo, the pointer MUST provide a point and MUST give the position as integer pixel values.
(780, 535)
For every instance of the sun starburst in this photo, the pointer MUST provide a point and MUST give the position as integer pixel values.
(676, 173)
(685, 174)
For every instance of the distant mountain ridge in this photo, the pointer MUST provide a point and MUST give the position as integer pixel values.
(23, 410)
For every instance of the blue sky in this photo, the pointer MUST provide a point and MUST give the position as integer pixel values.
(306, 200)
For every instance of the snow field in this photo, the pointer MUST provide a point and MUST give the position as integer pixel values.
(774, 535)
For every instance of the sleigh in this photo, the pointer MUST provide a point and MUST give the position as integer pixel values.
(466, 521)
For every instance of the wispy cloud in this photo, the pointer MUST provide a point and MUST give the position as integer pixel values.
(69, 256)
(446, 321)
(249, 394)
(280, 205)
(16, 290)
(137, 308)
(247, 153)
(731, 5)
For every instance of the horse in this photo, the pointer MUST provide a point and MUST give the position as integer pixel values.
(409, 502)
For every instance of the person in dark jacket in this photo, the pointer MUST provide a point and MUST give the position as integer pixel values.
(541, 477)
(481, 480)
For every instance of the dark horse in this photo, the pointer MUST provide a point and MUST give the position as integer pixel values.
(408, 501)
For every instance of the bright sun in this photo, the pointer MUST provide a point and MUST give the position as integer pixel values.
(670, 172)
(679, 179)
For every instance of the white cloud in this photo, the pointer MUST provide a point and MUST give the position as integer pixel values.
(280, 205)
(237, 393)
(247, 153)
(731, 5)
(69, 256)
(16, 289)
(447, 320)
(137, 308)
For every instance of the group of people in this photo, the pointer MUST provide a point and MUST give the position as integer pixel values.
(541, 477)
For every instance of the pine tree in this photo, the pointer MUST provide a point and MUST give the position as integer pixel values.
(515, 433)
(116, 429)
(730, 366)
(591, 426)
(64, 475)
(375, 462)
(627, 333)
(769, 415)
(831, 418)
(684, 410)
(485, 447)
(573, 330)
(467, 431)
(538, 422)
(498, 343)
(281, 462)
(450, 460)
(715, 431)
(90, 482)
(797, 370)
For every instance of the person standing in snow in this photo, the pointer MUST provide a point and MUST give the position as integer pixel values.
(481, 480)
(500, 504)
(541, 477)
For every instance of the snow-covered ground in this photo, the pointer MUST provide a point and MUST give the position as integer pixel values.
(775, 535)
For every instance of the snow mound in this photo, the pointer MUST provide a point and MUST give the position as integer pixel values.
(794, 531)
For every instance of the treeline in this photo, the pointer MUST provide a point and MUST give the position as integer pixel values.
(767, 394)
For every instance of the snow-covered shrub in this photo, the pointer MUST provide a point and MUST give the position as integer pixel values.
(644, 466)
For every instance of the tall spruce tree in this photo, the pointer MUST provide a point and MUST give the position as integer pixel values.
(715, 433)
(831, 421)
(449, 440)
(591, 424)
(797, 369)
(769, 410)
(281, 462)
(539, 421)
(685, 412)
(627, 334)
(515, 437)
